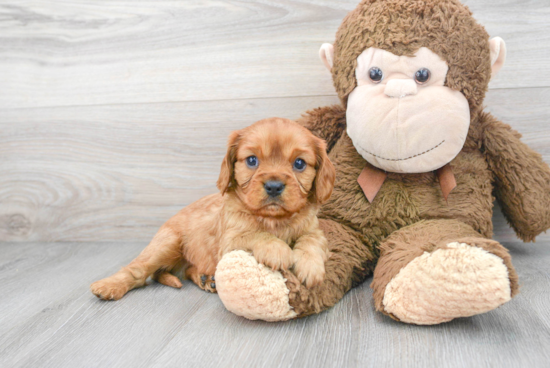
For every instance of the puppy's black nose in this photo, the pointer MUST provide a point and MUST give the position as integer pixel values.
(274, 188)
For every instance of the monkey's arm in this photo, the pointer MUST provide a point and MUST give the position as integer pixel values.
(326, 122)
(522, 179)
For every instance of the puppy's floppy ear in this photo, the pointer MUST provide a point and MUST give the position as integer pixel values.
(325, 176)
(227, 178)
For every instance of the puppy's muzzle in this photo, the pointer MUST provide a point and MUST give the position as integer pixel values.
(274, 188)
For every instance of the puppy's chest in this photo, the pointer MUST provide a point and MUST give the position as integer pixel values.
(287, 233)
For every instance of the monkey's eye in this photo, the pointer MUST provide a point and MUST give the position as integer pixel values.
(422, 76)
(252, 162)
(375, 74)
(299, 165)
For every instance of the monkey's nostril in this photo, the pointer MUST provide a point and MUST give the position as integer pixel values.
(274, 188)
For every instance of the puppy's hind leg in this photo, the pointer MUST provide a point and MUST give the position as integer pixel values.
(164, 252)
(205, 282)
(171, 277)
(166, 278)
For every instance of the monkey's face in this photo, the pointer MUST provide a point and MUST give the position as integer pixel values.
(400, 117)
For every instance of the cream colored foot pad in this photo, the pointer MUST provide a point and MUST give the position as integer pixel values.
(252, 290)
(458, 282)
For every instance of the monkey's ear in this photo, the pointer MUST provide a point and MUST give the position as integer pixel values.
(227, 178)
(498, 54)
(326, 53)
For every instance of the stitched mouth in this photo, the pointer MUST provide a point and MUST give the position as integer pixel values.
(403, 159)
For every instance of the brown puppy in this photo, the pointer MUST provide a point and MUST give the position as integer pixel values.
(272, 181)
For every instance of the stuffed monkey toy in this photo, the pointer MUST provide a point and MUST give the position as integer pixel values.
(418, 166)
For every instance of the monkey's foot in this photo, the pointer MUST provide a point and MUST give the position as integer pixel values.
(458, 280)
(252, 290)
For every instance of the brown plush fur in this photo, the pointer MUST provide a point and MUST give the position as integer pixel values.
(445, 27)
(281, 231)
(493, 161)
(328, 123)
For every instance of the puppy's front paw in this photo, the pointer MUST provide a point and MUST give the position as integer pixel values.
(275, 254)
(309, 268)
(109, 289)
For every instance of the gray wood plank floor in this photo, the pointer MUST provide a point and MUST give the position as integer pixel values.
(48, 318)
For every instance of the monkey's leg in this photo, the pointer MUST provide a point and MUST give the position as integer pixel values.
(435, 271)
(163, 252)
(256, 292)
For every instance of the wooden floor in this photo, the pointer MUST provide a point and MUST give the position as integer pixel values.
(48, 318)
(114, 115)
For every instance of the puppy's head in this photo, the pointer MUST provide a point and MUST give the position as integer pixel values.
(276, 167)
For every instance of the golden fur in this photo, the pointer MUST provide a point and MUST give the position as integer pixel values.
(282, 232)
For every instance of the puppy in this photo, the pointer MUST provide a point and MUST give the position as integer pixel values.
(272, 181)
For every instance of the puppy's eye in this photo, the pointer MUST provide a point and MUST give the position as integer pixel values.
(252, 162)
(422, 75)
(375, 74)
(299, 165)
